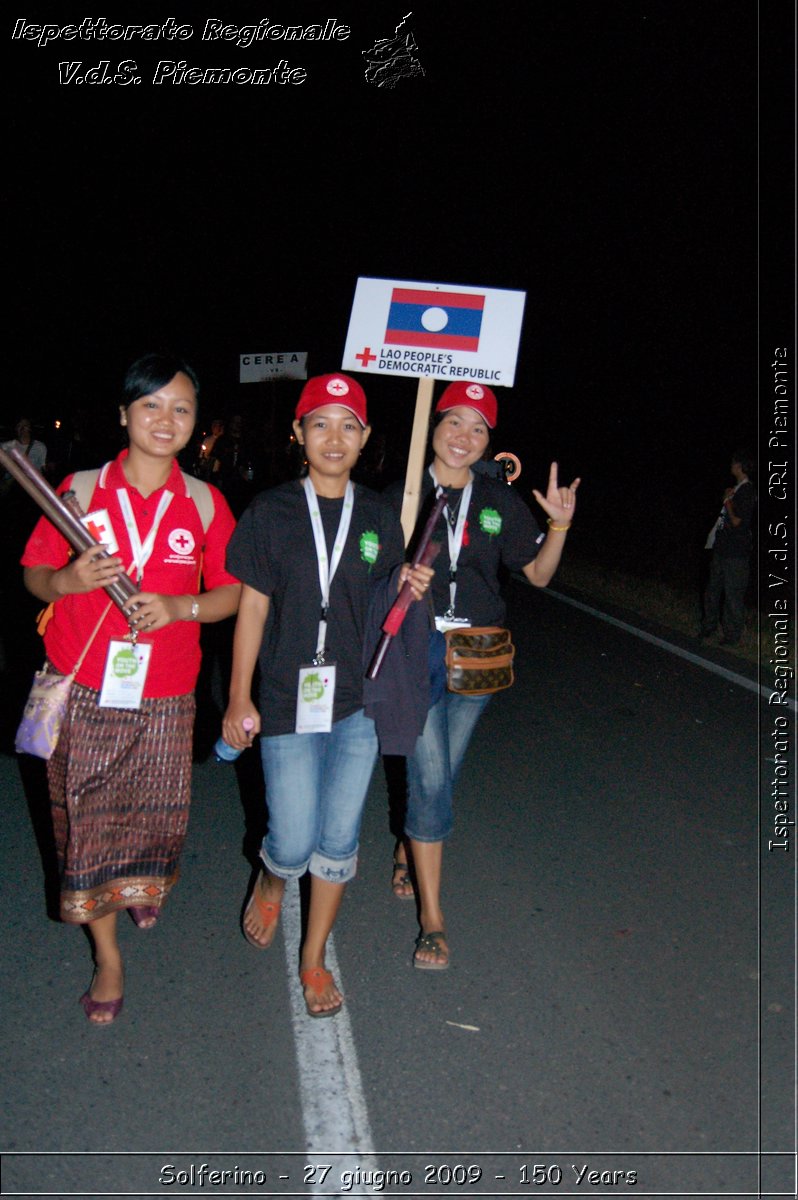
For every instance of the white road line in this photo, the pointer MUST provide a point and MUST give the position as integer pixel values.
(334, 1112)
(732, 676)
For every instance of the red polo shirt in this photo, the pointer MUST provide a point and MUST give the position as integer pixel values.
(183, 553)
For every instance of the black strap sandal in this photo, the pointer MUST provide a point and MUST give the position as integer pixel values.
(402, 882)
(431, 944)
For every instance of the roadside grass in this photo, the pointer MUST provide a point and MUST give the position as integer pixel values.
(674, 603)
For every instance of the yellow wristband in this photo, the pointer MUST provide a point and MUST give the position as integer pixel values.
(558, 528)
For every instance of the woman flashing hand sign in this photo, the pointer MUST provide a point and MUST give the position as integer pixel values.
(486, 528)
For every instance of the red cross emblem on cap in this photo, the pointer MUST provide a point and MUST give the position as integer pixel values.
(337, 387)
(475, 391)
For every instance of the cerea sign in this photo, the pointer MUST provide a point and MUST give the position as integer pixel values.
(439, 330)
(255, 368)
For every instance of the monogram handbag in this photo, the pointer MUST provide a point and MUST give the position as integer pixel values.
(479, 660)
(46, 706)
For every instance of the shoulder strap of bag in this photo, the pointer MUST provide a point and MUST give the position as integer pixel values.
(202, 496)
(84, 483)
(87, 647)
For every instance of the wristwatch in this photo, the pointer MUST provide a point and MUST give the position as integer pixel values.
(195, 609)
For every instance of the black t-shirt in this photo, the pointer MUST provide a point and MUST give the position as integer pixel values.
(735, 541)
(273, 551)
(500, 531)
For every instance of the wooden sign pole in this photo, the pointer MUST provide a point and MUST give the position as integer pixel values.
(415, 458)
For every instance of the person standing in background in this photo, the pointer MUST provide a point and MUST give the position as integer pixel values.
(731, 542)
(25, 443)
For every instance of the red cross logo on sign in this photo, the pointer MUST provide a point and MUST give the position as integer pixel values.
(99, 526)
(366, 356)
(96, 531)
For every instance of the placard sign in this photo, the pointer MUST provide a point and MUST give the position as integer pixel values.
(438, 330)
(255, 368)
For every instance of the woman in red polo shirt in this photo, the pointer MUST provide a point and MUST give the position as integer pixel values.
(120, 777)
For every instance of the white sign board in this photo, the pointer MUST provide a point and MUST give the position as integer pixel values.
(255, 368)
(438, 330)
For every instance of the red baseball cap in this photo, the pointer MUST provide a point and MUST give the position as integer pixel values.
(332, 389)
(471, 395)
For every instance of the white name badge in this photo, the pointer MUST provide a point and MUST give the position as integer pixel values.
(314, 699)
(125, 673)
(444, 623)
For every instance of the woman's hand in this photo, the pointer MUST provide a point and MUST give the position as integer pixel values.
(233, 730)
(559, 503)
(148, 611)
(87, 572)
(419, 579)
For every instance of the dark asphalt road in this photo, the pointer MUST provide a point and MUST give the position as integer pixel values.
(621, 991)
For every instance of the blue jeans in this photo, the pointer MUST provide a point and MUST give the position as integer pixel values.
(316, 786)
(432, 769)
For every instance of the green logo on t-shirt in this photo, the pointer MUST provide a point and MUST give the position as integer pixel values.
(490, 521)
(312, 688)
(369, 547)
(125, 664)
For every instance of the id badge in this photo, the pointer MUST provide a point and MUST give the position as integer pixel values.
(314, 699)
(444, 623)
(125, 673)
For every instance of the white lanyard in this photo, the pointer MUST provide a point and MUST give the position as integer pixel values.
(141, 550)
(455, 537)
(327, 569)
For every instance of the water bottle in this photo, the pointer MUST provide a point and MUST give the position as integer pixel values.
(227, 753)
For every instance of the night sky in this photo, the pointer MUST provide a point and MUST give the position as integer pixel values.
(600, 156)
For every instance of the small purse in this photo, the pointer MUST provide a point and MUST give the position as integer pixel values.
(43, 714)
(479, 660)
(46, 706)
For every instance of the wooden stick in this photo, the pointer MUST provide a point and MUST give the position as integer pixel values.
(415, 458)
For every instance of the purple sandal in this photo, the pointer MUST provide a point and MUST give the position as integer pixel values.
(91, 1007)
(149, 914)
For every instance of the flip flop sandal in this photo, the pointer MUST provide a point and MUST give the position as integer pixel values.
(403, 881)
(150, 914)
(431, 943)
(317, 979)
(92, 1007)
(269, 912)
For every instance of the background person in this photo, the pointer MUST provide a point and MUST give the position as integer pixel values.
(731, 542)
(485, 527)
(120, 778)
(34, 450)
(232, 464)
(206, 462)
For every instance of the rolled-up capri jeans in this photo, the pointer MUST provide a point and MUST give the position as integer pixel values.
(434, 765)
(316, 785)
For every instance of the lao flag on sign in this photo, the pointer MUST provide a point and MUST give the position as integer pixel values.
(440, 320)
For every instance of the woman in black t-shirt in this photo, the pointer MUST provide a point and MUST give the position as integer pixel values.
(309, 554)
(485, 526)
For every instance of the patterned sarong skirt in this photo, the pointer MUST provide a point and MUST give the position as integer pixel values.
(120, 789)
